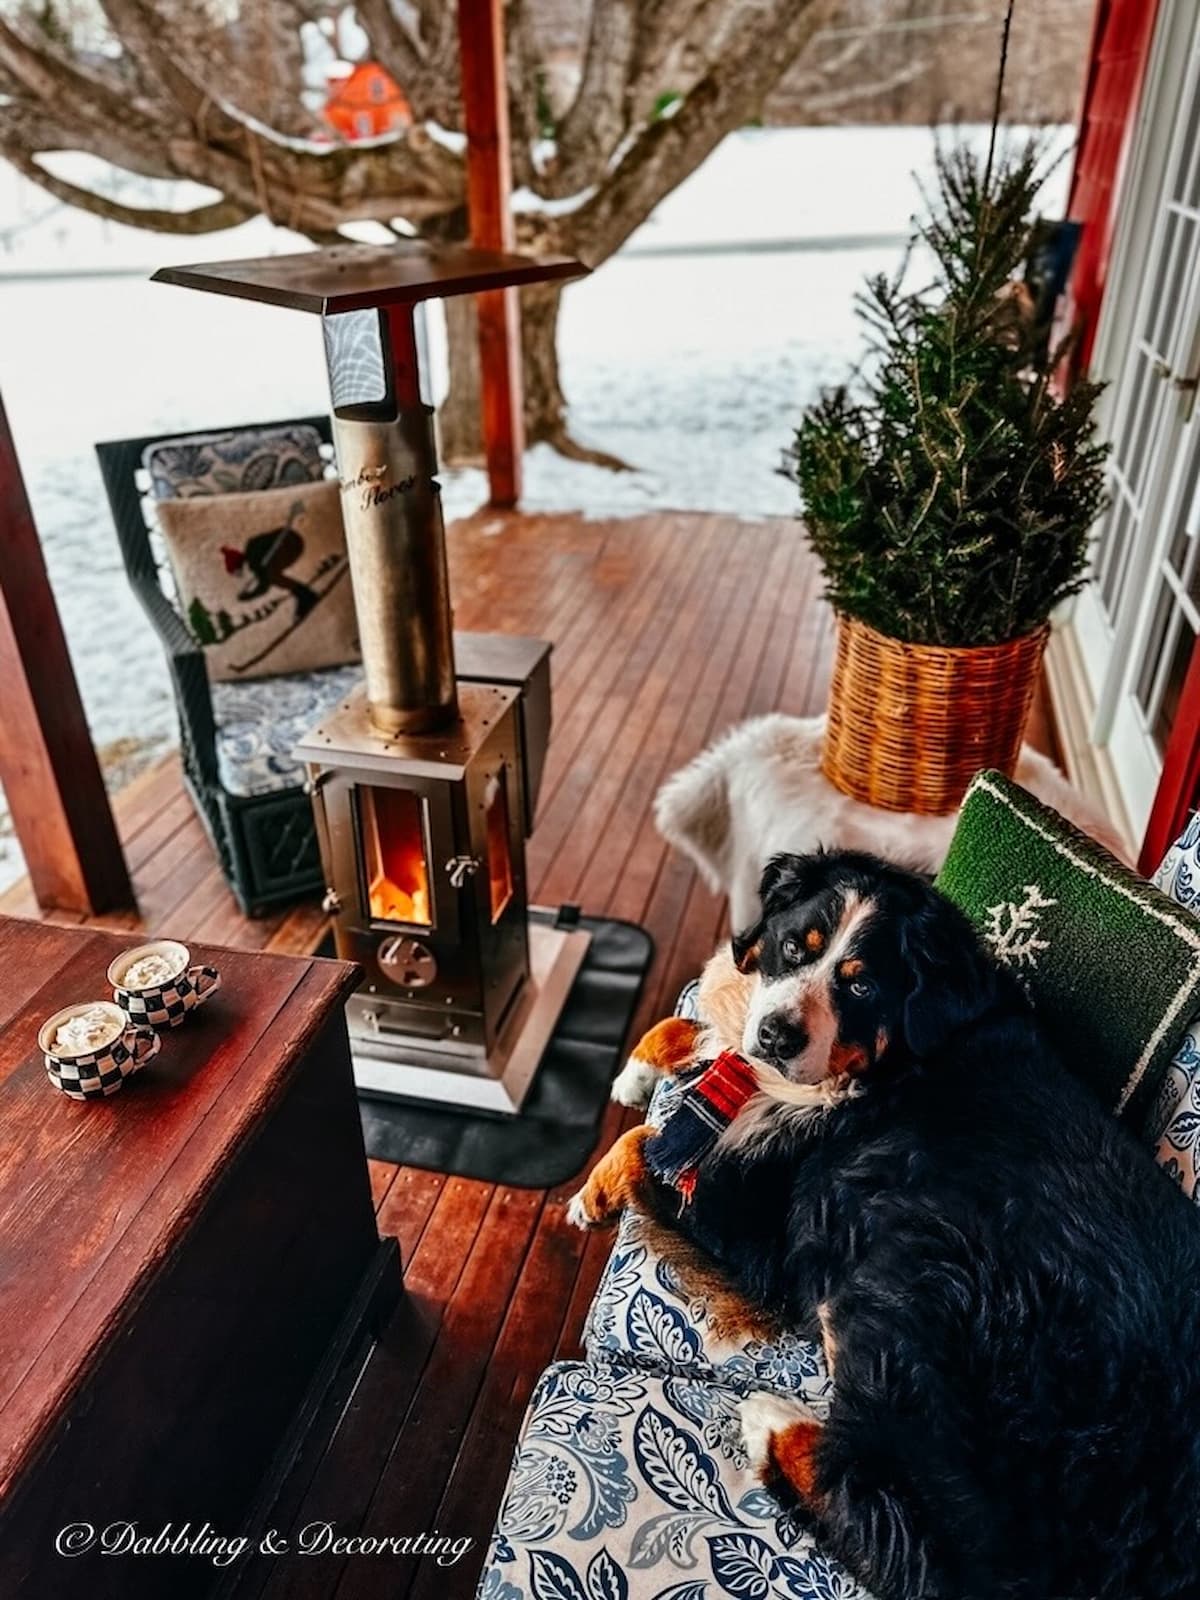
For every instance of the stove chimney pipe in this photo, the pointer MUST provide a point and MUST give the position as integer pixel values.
(391, 506)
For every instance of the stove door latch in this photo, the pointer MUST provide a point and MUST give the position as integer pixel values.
(460, 868)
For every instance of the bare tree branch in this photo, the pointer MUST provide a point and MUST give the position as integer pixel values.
(825, 100)
(203, 219)
(50, 79)
(599, 117)
(730, 95)
(27, 128)
(212, 93)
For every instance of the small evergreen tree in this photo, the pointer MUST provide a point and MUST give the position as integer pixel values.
(950, 495)
(202, 623)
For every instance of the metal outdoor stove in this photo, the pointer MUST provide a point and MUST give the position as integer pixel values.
(425, 780)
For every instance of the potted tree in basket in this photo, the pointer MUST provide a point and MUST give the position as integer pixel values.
(949, 496)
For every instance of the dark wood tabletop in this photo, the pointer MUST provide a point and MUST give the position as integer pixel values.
(351, 277)
(94, 1195)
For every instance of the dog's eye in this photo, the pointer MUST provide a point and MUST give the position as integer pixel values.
(790, 948)
(860, 988)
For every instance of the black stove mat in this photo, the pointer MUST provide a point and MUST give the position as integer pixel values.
(549, 1140)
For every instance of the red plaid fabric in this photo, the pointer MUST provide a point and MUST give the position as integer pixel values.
(706, 1108)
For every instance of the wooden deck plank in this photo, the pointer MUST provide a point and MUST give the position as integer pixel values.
(668, 629)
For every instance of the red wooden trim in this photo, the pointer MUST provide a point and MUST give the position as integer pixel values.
(1121, 36)
(489, 183)
(48, 764)
(406, 358)
(1179, 787)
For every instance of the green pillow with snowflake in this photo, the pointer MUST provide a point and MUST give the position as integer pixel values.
(1112, 964)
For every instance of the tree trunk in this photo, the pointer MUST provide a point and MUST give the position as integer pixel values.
(461, 436)
(460, 420)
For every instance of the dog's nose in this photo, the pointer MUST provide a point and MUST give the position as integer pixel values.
(780, 1039)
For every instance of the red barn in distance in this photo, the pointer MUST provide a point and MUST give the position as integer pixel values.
(367, 102)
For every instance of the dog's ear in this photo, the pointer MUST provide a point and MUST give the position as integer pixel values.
(746, 947)
(785, 878)
(953, 977)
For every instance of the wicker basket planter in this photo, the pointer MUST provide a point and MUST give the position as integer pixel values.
(910, 725)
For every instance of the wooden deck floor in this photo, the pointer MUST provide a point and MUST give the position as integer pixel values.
(667, 629)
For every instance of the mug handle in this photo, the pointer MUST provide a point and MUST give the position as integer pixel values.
(206, 981)
(143, 1044)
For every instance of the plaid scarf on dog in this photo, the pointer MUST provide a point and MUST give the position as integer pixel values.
(708, 1105)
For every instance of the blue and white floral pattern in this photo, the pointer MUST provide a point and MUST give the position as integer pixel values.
(1179, 872)
(641, 1316)
(234, 461)
(1178, 1148)
(615, 1494)
(260, 722)
(1175, 1122)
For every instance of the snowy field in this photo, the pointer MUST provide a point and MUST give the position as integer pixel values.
(692, 365)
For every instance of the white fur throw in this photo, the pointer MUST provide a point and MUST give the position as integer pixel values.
(760, 790)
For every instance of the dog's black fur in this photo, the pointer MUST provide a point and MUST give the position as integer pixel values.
(1012, 1283)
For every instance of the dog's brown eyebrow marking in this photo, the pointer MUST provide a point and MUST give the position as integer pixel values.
(850, 968)
(814, 940)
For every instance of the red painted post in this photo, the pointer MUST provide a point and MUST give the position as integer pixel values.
(1179, 786)
(48, 764)
(489, 185)
(1121, 34)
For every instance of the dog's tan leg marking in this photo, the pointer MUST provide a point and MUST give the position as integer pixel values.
(729, 1318)
(614, 1182)
(670, 1047)
(781, 1438)
(792, 1454)
(828, 1337)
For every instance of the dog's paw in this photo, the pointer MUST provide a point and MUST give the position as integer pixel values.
(762, 1416)
(634, 1084)
(582, 1213)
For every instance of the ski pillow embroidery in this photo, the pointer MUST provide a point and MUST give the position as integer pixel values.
(263, 580)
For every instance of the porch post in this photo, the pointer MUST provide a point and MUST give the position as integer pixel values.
(489, 186)
(48, 764)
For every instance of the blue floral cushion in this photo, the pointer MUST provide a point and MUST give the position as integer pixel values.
(641, 1316)
(628, 1486)
(260, 722)
(234, 462)
(1176, 1122)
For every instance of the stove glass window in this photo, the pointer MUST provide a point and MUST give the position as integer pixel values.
(499, 861)
(395, 861)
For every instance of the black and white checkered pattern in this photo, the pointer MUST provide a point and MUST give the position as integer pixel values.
(93, 1076)
(167, 1006)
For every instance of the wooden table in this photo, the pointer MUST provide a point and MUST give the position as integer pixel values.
(180, 1265)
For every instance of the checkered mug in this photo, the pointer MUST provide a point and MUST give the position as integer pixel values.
(167, 1001)
(101, 1070)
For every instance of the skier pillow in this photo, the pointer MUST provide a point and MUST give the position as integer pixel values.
(1112, 965)
(264, 579)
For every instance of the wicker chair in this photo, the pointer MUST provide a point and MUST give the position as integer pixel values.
(266, 841)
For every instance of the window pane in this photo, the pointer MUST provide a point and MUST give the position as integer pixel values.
(1172, 690)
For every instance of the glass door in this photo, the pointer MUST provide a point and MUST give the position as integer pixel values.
(1138, 619)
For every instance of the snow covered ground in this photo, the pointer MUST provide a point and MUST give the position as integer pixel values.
(693, 367)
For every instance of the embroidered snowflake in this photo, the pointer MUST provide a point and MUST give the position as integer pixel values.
(1012, 929)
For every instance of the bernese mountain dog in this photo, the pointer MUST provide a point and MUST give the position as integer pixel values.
(1004, 1283)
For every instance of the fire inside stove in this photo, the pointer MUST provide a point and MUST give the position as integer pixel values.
(395, 857)
(499, 859)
